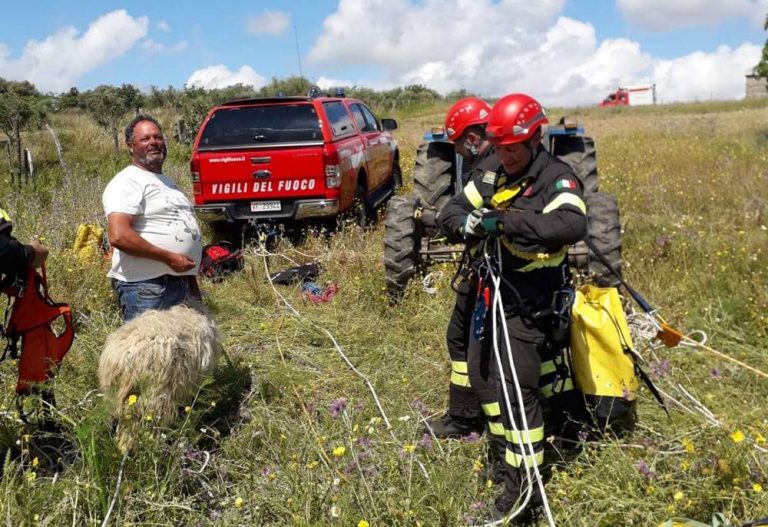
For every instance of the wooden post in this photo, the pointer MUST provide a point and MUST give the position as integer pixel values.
(59, 151)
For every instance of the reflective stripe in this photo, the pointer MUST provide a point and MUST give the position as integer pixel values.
(491, 409)
(520, 437)
(504, 195)
(496, 428)
(459, 379)
(473, 195)
(534, 257)
(4, 215)
(459, 366)
(566, 385)
(516, 460)
(565, 198)
(547, 367)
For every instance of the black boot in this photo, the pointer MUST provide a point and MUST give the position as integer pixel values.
(450, 426)
(505, 503)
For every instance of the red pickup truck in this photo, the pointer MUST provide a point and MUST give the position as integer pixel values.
(293, 159)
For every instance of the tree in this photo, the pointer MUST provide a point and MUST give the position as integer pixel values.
(20, 106)
(761, 70)
(107, 106)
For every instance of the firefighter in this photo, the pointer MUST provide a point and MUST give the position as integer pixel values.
(526, 211)
(16, 257)
(465, 126)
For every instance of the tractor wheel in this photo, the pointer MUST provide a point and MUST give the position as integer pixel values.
(401, 245)
(605, 233)
(433, 175)
(579, 153)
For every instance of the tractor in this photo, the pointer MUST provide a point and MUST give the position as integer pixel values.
(413, 241)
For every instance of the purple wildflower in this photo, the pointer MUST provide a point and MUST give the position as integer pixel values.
(583, 435)
(714, 372)
(644, 469)
(660, 368)
(471, 438)
(426, 442)
(359, 406)
(337, 406)
(418, 404)
(364, 441)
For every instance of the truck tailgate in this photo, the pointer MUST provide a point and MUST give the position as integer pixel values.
(263, 173)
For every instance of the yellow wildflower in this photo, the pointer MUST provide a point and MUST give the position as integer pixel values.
(339, 451)
(409, 448)
(477, 466)
(757, 487)
(148, 417)
(678, 495)
(313, 464)
(759, 439)
(238, 502)
(671, 508)
(688, 445)
(35, 462)
(132, 399)
(187, 409)
(363, 523)
(31, 475)
(737, 436)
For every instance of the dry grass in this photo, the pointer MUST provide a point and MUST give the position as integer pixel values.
(288, 434)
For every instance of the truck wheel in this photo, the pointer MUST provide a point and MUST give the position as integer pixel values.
(397, 176)
(433, 175)
(363, 216)
(579, 153)
(605, 233)
(401, 245)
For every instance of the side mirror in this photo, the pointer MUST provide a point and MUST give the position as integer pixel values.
(389, 124)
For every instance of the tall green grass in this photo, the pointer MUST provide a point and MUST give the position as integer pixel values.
(287, 434)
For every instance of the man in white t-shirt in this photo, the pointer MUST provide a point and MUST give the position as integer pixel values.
(156, 239)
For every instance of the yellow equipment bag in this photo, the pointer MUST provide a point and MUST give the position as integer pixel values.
(604, 368)
(88, 240)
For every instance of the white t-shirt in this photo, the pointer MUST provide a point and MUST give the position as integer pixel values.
(164, 218)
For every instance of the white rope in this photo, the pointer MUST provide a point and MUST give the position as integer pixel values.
(357, 372)
(498, 309)
(429, 283)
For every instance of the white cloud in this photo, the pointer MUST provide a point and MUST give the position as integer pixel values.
(153, 47)
(56, 63)
(219, 76)
(268, 23)
(664, 15)
(704, 76)
(163, 26)
(497, 47)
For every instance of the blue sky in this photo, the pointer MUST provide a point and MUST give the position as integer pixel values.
(564, 52)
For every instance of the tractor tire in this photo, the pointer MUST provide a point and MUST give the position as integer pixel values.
(605, 232)
(433, 176)
(580, 154)
(402, 241)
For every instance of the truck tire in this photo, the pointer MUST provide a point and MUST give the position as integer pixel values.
(401, 245)
(433, 175)
(580, 154)
(605, 232)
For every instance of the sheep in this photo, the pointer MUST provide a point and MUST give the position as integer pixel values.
(161, 357)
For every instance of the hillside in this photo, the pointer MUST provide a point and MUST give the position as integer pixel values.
(287, 434)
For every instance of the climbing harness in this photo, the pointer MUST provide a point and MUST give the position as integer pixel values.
(32, 313)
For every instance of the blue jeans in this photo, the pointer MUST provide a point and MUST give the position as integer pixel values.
(162, 292)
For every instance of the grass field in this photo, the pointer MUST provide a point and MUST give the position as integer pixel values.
(287, 434)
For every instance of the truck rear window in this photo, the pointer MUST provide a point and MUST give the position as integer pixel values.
(283, 123)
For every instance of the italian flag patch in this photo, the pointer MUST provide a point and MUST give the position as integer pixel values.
(565, 184)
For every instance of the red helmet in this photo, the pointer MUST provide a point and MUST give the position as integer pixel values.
(465, 112)
(514, 119)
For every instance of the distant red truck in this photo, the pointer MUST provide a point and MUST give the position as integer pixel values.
(639, 95)
(293, 159)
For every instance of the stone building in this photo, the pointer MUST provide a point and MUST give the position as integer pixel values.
(755, 87)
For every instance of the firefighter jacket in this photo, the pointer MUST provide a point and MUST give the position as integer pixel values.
(544, 214)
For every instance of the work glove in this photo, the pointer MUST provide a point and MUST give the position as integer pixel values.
(492, 222)
(471, 225)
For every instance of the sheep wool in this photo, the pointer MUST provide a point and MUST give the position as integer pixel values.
(161, 357)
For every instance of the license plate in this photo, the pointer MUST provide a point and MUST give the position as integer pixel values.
(265, 206)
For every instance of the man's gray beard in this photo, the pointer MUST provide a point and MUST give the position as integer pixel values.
(147, 161)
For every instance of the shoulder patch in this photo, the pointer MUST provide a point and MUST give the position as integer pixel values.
(489, 177)
(565, 184)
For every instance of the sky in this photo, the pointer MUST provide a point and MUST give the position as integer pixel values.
(563, 52)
